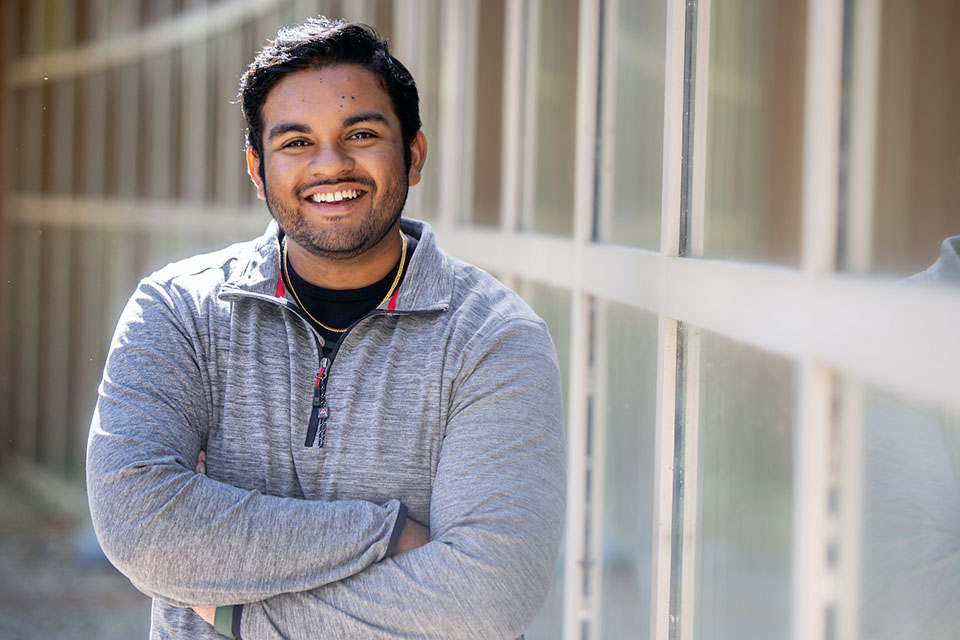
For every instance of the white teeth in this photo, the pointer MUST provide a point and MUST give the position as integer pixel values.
(336, 196)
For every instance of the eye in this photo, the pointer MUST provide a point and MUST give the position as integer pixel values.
(362, 135)
(295, 143)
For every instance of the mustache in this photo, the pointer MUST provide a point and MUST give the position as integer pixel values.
(367, 182)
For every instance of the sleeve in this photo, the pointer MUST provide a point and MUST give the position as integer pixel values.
(496, 516)
(183, 537)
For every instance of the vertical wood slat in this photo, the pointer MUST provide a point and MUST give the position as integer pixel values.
(87, 341)
(159, 78)
(10, 14)
(193, 121)
(229, 120)
(54, 324)
(56, 286)
(28, 339)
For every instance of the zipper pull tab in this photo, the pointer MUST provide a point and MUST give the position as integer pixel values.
(318, 412)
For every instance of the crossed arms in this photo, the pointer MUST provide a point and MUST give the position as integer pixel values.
(298, 566)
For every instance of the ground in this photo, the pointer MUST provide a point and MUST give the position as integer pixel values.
(54, 583)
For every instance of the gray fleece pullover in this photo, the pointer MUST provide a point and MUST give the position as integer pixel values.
(449, 405)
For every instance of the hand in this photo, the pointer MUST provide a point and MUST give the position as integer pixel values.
(202, 463)
(207, 613)
(412, 535)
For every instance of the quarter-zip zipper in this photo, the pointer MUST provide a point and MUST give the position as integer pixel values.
(319, 411)
(317, 428)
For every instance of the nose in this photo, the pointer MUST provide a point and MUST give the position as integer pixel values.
(331, 159)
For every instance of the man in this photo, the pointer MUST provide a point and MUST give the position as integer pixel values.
(379, 424)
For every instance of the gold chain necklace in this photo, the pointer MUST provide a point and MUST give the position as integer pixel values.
(393, 287)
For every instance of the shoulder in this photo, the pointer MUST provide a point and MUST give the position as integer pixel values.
(187, 293)
(203, 271)
(202, 277)
(480, 298)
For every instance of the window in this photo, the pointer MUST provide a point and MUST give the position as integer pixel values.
(711, 204)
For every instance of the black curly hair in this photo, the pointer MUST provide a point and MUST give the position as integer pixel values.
(314, 44)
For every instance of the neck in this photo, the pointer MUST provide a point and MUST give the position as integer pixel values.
(366, 269)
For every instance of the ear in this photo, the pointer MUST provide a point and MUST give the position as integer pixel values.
(253, 170)
(418, 155)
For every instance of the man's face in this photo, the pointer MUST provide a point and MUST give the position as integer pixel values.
(333, 160)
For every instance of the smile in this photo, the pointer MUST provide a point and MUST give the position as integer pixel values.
(336, 196)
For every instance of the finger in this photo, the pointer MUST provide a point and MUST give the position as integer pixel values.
(202, 463)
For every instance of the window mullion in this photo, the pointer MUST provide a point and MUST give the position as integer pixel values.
(668, 327)
(583, 571)
(814, 393)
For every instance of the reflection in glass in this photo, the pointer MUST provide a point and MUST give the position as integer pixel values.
(912, 179)
(911, 520)
(489, 111)
(555, 117)
(744, 491)
(754, 136)
(553, 305)
(632, 123)
(428, 84)
(626, 366)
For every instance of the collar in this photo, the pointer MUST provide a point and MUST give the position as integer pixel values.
(427, 286)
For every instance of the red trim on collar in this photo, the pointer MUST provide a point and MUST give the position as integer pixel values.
(392, 305)
(281, 290)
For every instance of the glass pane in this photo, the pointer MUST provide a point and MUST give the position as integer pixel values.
(904, 196)
(553, 305)
(489, 112)
(911, 520)
(632, 123)
(754, 136)
(554, 118)
(744, 488)
(626, 353)
(428, 77)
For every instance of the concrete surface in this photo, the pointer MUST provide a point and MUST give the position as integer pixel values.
(54, 581)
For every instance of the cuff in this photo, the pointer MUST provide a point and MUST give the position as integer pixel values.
(397, 528)
(226, 621)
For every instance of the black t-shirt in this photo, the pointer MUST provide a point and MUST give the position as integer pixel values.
(340, 308)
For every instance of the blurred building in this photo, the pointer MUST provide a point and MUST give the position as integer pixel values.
(711, 203)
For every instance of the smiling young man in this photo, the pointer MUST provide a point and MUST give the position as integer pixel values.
(378, 425)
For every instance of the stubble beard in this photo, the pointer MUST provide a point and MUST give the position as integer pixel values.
(341, 244)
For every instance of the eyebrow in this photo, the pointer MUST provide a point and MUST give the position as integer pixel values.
(365, 116)
(296, 127)
(287, 127)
